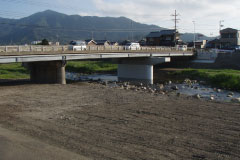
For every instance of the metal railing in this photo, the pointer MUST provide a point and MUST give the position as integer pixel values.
(88, 49)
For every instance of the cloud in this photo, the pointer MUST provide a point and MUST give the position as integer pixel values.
(206, 13)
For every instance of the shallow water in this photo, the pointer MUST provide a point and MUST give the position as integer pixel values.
(93, 77)
(206, 92)
(190, 90)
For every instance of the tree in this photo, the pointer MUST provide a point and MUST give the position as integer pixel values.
(45, 42)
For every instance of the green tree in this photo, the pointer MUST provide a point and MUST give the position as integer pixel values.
(45, 42)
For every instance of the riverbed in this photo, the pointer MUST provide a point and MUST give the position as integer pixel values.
(192, 88)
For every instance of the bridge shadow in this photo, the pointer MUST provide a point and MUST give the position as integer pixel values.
(10, 82)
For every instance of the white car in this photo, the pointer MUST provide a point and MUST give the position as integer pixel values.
(132, 46)
(77, 46)
(181, 47)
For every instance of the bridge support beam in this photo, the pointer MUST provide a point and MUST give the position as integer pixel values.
(47, 72)
(138, 70)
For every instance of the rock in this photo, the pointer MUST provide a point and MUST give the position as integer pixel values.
(219, 90)
(169, 82)
(121, 87)
(183, 87)
(198, 96)
(195, 87)
(231, 93)
(187, 81)
(162, 93)
(151, 91)
(194, 81)
(230, 96)
(161, 86)
(236, 100)
(105, 83)
(125, 84)
(212, 98)
(175, 88)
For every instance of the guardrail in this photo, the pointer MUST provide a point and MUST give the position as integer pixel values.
(65, 48)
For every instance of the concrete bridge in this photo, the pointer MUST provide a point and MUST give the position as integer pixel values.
(47, 63)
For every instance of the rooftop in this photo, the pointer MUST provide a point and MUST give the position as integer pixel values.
(160, 33)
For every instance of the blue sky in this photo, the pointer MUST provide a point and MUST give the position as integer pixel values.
(205, 13)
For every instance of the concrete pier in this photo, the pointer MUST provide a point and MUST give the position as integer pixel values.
(138, 70)
(47, 72)
(136, 73)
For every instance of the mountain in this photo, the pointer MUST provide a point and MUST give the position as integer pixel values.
(56, 26)
(188, 37)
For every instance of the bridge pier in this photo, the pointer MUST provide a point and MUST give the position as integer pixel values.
(138, 73)
(138, 70)
(47, 72)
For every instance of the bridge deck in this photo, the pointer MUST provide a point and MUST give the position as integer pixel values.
(57, 57)
(12, 54)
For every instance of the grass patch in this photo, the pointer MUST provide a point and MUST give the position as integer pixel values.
(13, 71)
(222, 78)
(89, 67)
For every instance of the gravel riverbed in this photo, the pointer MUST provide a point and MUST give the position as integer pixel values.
(101, 122)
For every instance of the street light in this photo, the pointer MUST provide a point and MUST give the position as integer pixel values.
(194, 35)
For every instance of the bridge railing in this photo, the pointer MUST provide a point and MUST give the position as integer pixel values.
(66, 48)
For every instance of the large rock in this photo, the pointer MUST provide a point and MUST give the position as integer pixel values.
(236, 100)
(198, 96)
(175, 88)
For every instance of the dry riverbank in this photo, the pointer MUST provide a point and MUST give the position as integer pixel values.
(98, 122)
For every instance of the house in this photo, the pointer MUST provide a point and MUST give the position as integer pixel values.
(36, 42)
(114, 43)
(213, 44)
(229, 38)
(103, 42)
(163, 38)
(90, 42)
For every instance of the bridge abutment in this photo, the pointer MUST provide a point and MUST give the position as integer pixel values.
(47, 72)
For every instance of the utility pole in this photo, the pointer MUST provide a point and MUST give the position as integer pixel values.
(194, 35)
(132, 29)
(92, 35)
(176, 20)
(220, 26)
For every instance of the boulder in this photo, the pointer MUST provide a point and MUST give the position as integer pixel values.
(198, 96)
(236, 100)
(175, 88)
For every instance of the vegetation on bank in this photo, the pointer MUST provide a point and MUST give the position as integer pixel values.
(88, 67)
(13, 71)
(222, 78)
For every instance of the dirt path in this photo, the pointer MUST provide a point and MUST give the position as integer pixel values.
(14, 146)
(104, 123)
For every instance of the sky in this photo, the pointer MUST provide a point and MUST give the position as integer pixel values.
(205, 13)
